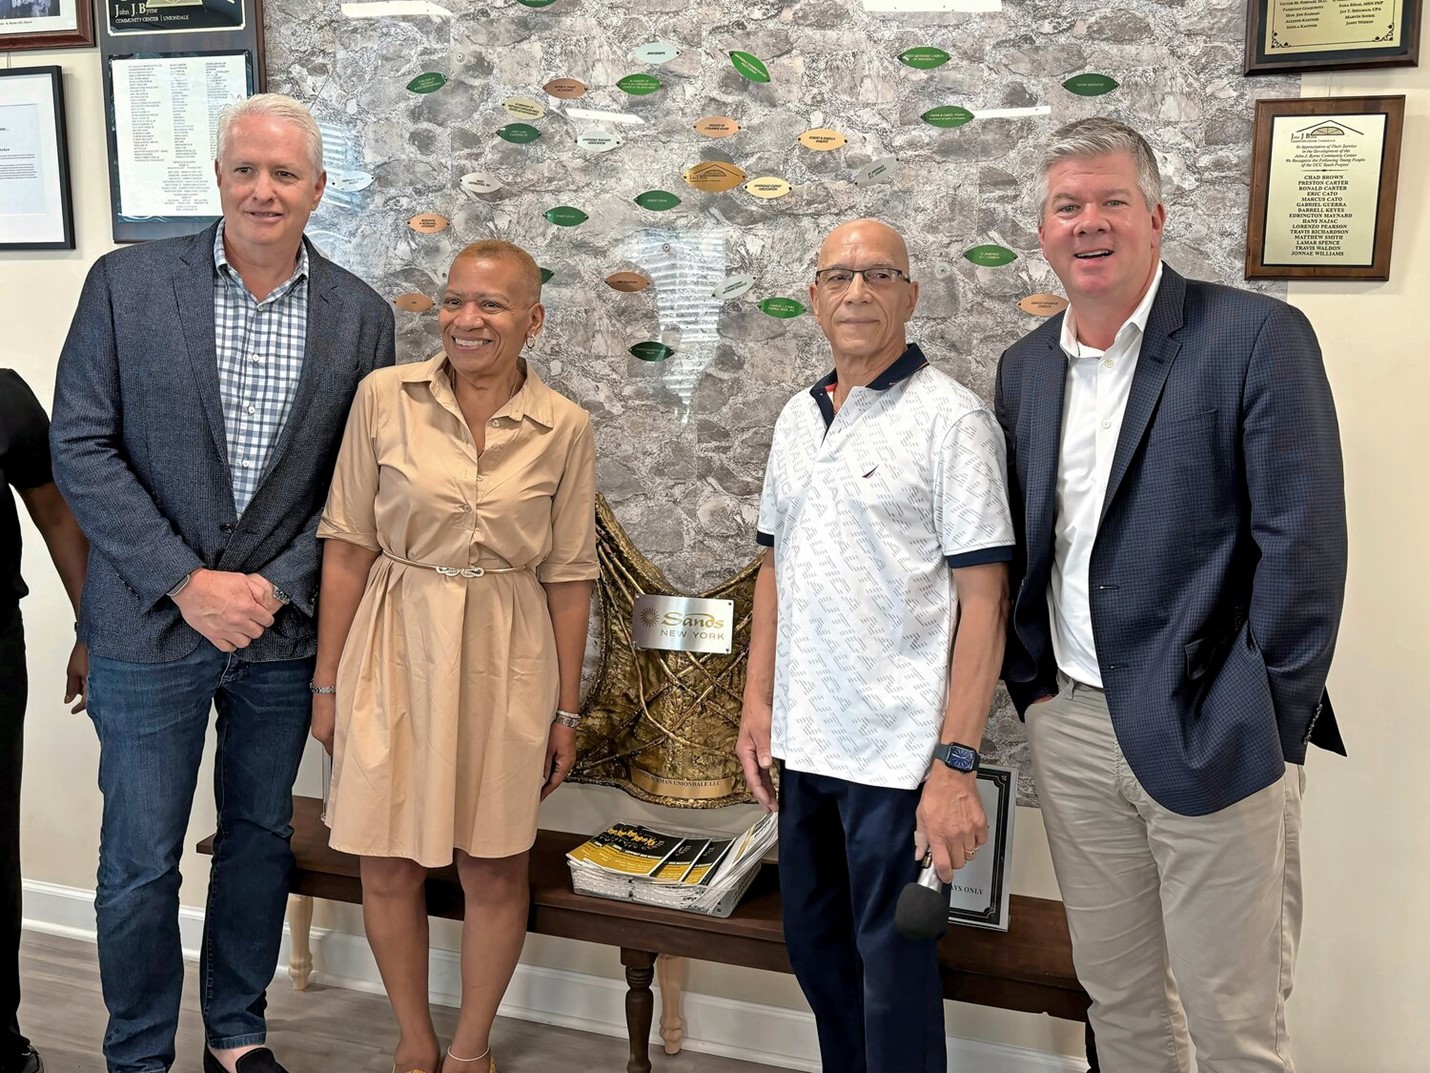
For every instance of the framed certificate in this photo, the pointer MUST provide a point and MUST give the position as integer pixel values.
(979, 892)
(35, 208)
(163, 122)
(45, 24)
(1320, 35)
(1323, 182)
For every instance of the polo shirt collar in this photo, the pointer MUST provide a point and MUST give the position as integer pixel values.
(908, 363)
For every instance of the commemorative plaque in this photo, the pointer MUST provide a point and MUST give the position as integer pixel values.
(683, 623)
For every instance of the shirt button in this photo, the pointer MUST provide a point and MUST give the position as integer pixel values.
(256, 359)
(1107, 424)
(464, 508)
(480, 478)
(246, 464)
(252, 409)
(496, 422)
(1108, 363)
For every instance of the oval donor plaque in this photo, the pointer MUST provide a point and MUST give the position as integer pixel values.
(479, 182)
(822, 140)
(639, 85)
(656, 52)
(714, 176)
(536, 3)
(947, 115)
(413, 302)
(768, 186)
(428, 223)
(783, 308)
(924, 57)
(752, 67)
(546, 275)
(1043, 305)
(651, 351)
(518, 133)
(1090, 85)
(657, 200)
(568, 89)
(733, 286)
(598, 141)
(878, 171)
(427, 83)
(990, 256)
(566, 216)
(716, 126)
(627, 281)
(524, 107)
(348, 182)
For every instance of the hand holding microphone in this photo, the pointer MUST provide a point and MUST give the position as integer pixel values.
(922, 912)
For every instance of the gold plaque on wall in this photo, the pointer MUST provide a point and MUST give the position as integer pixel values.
(714, 176)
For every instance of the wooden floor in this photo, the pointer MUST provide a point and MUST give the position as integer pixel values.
(322, 1030)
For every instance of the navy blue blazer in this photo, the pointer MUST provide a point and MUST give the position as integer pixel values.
(1219, 567)
(141, 452)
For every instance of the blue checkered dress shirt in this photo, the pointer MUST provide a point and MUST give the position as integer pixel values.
(260, 357)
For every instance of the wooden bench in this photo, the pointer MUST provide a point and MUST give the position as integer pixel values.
(1028, 968)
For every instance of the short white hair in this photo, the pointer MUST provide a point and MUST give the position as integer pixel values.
(1099, 136)
(274, 106)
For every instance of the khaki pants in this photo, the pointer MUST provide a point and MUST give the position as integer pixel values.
(1184, 928)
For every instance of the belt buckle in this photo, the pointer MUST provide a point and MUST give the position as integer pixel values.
(464, 571)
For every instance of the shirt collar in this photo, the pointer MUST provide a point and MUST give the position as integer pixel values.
(908, 363)
(1138, 320)
(228, 272)
(532, 399)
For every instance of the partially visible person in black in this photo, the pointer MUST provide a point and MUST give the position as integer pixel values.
(25, 466)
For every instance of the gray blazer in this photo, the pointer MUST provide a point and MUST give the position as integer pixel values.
(1219, 568)
(140, 448)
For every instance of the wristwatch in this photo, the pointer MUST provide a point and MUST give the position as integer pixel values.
(958, 757)
(281, 596)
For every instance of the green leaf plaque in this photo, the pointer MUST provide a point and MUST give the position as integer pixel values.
(427, 83)
(546, 275)
(750, 66)
(651, 351)
(518, 133)
(566, 216)
(947, 115)
(1090, 85)
(638, 85)
(657, 200)
(990, 256)
(783, 308)
(924, 57)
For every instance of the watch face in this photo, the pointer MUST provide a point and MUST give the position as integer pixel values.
(958, 757)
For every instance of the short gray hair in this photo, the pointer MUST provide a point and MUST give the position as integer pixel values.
(274, 106)
(1099, 136)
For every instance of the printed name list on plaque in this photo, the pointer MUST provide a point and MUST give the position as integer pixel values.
(1323, 187)
(1299, 35)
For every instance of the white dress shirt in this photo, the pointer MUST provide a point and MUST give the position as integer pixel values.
(1094, 400)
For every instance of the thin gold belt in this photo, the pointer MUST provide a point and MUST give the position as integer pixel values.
(457, 571)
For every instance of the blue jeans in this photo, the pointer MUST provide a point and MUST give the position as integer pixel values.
(152, 719)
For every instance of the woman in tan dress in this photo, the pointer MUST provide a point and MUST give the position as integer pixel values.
(457, 576)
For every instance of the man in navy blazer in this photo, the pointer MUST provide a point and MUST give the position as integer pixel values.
(1175, 476)
(199, 402)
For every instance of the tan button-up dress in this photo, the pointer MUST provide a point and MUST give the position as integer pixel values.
(447, 685)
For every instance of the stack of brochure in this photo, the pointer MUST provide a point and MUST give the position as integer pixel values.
(695, 872)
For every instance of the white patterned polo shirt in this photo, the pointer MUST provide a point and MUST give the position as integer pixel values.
(867, 510)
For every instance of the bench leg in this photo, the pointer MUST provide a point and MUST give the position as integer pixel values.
(300, 928)
(640, 1005)
(672, 973)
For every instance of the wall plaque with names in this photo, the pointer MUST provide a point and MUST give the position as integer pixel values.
(1323, 183)
(1310, 35)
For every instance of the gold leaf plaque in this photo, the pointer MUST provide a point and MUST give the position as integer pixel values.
(1043, 305)
(428, 223)
(714, 176)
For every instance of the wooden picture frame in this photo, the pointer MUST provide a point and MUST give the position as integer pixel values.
(1318, 35)
(37, 212)
(1324, 172)
(61, 24)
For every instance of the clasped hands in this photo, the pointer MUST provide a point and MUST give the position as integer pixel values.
(230, 609)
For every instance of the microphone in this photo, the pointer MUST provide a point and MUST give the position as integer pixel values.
(922, 912)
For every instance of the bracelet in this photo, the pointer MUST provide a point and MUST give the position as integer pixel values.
(321, 691)
(571, 720)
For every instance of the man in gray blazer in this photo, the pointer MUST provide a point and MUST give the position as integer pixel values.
(1175, 478)
(199, 403)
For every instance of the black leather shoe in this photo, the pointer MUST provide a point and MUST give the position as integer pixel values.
(260, 1060)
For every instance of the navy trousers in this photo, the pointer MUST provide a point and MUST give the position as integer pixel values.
(846, 853)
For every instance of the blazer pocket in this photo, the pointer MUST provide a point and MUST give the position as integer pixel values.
(1206, 653)
(1178, 426)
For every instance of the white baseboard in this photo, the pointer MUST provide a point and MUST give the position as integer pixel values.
(747, 1031)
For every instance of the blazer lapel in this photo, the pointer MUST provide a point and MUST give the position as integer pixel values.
(324, 337)
(194, 295)
(1045, 389)
(1154, 362)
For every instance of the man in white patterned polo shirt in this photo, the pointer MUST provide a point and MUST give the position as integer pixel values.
(874, 651)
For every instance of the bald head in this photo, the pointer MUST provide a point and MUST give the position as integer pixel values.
(870, 237)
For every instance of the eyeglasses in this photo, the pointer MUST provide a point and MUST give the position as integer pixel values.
(838, 279)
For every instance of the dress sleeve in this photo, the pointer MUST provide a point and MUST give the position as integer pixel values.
(351, 510)
(573, 515)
